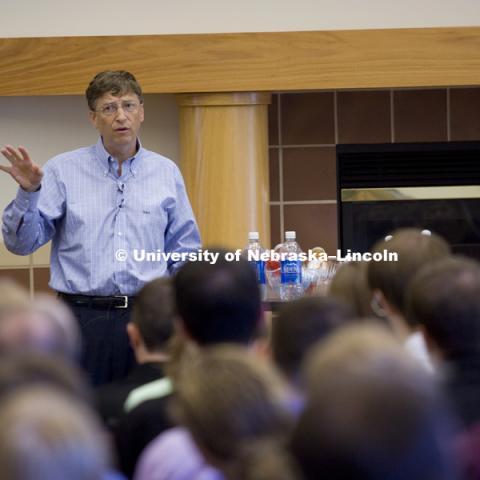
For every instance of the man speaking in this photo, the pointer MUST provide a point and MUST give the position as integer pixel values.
(97, 204)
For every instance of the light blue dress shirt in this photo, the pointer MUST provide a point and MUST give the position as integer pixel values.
(91, 213)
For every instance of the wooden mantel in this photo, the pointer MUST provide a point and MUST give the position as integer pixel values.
(239, 62)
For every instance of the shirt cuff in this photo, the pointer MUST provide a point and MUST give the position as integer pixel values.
(27, 200)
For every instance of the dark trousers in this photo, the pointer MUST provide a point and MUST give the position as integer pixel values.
(106, 352)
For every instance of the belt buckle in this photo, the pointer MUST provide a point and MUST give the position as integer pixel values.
(125, 301)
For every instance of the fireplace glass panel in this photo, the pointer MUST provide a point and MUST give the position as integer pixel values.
(433, 186)
(457, 220)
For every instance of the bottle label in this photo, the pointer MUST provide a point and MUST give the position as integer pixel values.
(291, 271)
(259, 267)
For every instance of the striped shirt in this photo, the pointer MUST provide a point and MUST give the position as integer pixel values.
(100, 222)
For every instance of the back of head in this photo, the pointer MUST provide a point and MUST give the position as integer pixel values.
(445, 299)
(44, 325)
(117, 83)
(218, 302)
(300, 324)
(371, 413)
(45, 435)
(415, 250)
(24, 370)
(154, 312)
(65, 337)
(350, 285)
(229, 401)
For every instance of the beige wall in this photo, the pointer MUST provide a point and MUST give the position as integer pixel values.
(27, 18)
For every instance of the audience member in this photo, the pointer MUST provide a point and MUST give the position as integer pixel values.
(25, 369)
(371, 414)
(389, 281)
(299, 325)
(44, 325)
(47, 435)
(217, 303)
(233, 406)
(350, 285)
(67, 332)
(135, 408)
(149, 331)
(444, 298)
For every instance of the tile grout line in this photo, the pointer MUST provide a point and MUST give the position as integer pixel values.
(306, 202)
(335, 118)
(14, 267)
(280, 166)
(307, 145)
(392, 117)
(449, 132)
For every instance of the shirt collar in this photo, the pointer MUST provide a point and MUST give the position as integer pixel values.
(106, 159)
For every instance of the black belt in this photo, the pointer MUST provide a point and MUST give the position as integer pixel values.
(115, 301)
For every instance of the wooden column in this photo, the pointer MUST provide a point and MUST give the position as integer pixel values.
(224, 159)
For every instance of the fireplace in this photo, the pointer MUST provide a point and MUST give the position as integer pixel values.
(432, 186)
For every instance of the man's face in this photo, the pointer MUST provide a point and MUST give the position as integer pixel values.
(118, 120)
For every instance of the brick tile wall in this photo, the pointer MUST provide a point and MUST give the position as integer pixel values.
(305, 127)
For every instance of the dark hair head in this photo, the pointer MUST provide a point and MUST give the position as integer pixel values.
(117, 83)
(445, 298)
(154, 312)
(300, 324)
(414, 251)
(218, 302)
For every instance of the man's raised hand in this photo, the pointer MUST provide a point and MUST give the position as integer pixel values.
(25, 172)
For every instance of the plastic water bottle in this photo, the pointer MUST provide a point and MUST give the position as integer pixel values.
(291, 268)
(252, 253)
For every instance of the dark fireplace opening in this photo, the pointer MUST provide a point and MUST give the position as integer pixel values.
(431, 186)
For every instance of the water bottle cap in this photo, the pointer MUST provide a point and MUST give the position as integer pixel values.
(290, 235)
(253, 236)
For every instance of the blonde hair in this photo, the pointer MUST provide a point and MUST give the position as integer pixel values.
(230, 402)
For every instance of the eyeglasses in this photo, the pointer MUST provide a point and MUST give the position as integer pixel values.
(112, 108)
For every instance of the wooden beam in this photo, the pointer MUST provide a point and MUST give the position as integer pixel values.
(246, 61)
